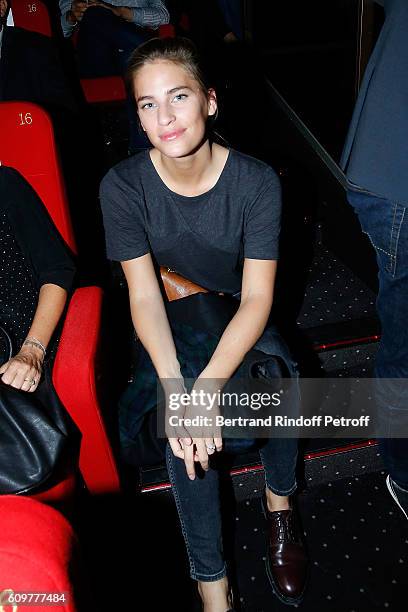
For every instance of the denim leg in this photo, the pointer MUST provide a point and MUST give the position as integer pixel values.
(279, 455)
(386, 224)
(198, 506)
(392, 356)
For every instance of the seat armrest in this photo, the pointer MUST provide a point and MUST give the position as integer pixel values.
(74, 376)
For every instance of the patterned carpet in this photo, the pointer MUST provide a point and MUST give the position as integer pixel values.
(358, 546)
(357, 540)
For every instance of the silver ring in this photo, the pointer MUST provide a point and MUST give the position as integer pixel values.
(211, 447)
(32, 381)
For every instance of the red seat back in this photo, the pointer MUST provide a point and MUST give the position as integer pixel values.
(100, 90)
(27, 144)
(167, 30)
(38, 552)
(32, 15)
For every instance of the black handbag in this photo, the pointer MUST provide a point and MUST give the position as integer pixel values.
(38, 439)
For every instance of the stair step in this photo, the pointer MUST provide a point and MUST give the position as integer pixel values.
(351, 458)
(352, 361)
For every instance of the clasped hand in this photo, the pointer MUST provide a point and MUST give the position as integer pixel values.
(79, 7)
(24, 370)
(195, 435)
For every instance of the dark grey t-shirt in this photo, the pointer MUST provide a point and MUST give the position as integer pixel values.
(204, 238)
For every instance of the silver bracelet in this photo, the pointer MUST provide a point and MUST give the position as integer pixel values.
(34, 342)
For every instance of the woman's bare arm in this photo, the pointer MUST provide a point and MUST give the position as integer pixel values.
(153, 329)
(51, 304)
(26, 366)
(149, 316)
(249, 322)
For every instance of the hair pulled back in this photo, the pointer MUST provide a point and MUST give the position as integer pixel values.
(179, 50)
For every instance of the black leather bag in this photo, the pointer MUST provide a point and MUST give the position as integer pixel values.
(37, 436)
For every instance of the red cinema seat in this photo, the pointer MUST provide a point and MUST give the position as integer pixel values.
(75, 378)
(37, 555)
(167, 31)
(32, 15)
(27, 144)
(112, 89)
(101, 90)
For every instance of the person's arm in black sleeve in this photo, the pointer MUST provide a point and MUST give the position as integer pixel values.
(36, 234)
(53, 271)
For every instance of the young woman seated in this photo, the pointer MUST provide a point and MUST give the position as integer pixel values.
(213, 215)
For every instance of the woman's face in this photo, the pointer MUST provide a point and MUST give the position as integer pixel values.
(172, 107)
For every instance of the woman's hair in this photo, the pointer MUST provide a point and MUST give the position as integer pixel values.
(180, 51)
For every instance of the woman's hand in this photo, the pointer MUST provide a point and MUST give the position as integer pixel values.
(190, 442)
(199, 421)
(24, 370)
(178, 437)
(209, 440)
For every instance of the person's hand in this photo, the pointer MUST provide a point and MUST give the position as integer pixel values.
(24, 370)
(78, 8)
(191, 422)
(205, 397)
(201, 412)
(177, 435)
(190, 447)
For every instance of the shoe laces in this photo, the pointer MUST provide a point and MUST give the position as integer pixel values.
(286, 526)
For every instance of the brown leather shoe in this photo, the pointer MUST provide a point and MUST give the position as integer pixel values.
(286, 559)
